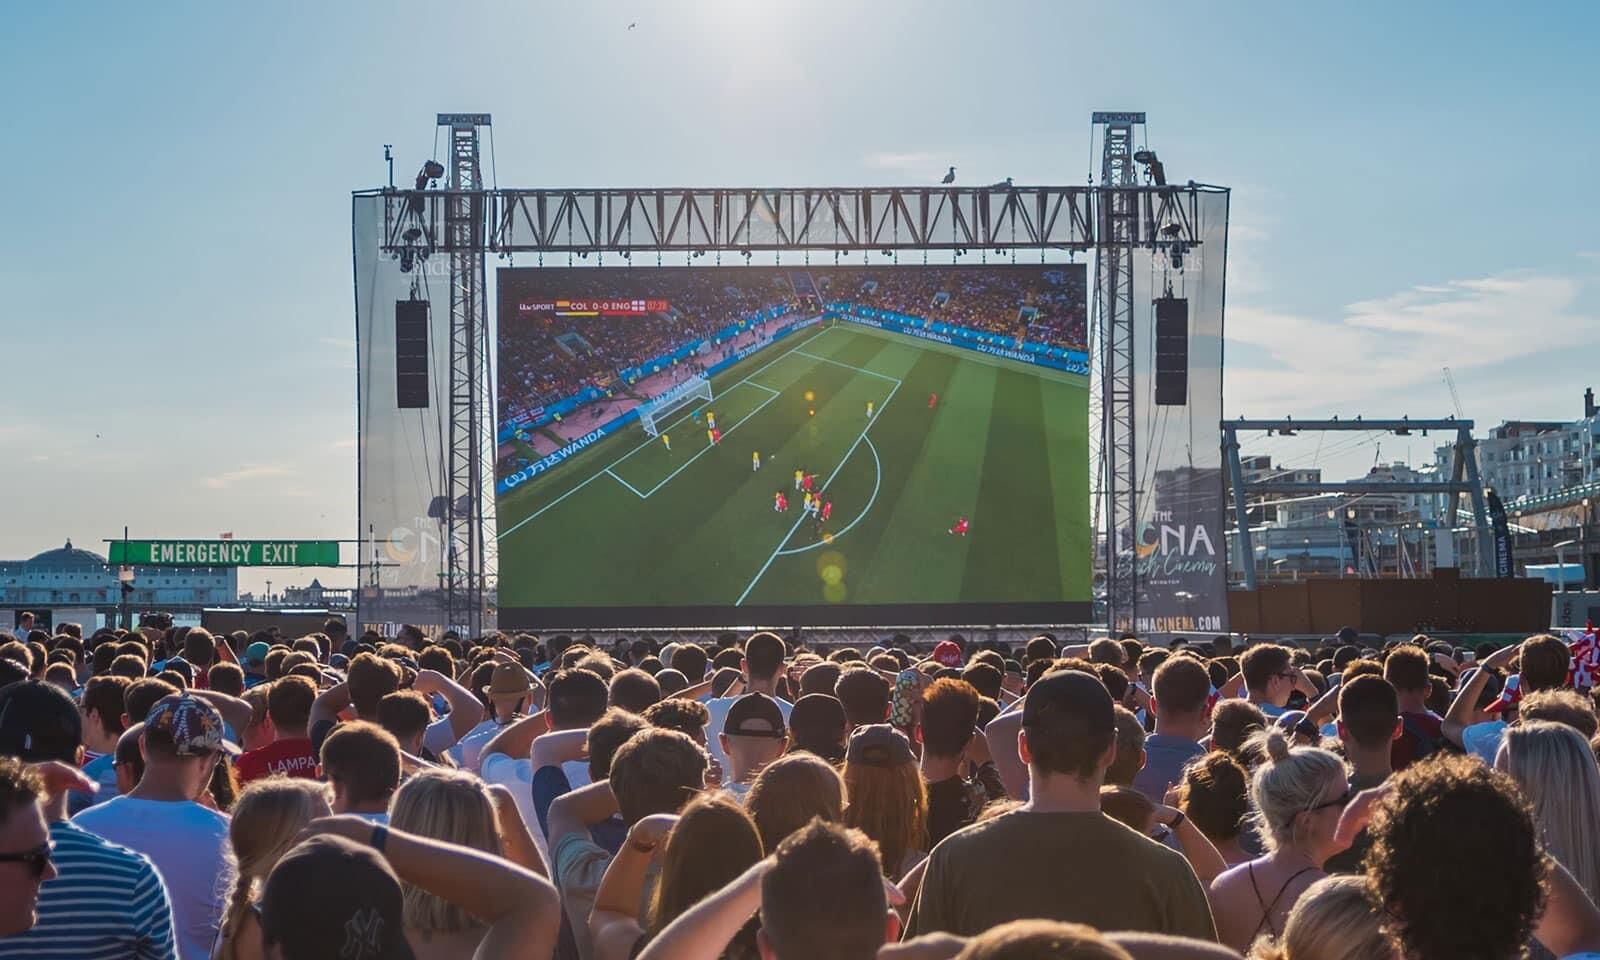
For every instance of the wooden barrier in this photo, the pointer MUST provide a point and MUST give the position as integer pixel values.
(1444, 603)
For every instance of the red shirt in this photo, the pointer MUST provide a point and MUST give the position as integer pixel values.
(1404, 751)
(293, 757)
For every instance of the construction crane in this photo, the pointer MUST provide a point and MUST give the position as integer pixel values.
(1455, 396)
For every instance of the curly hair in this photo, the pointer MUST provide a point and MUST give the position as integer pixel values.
(1430, 883)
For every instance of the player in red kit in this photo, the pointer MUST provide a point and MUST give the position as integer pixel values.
(805, 482)
(827, 510)
(933, 400)
(716, 435)
(960, 528)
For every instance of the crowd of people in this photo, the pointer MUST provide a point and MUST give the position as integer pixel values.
(537, 368)
(166, 792)
(1044, 305)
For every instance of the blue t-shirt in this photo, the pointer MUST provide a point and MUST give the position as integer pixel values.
(1165, 756)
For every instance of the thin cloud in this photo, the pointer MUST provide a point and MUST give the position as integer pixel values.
(911, 167)
(1384, 345)
(245, 474)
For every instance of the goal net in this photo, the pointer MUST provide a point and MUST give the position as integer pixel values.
(657, 411)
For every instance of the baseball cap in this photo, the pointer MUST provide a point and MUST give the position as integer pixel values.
(333, 899)
(947, 653)
(754, 715)
(194, 726)
(38, 722)
(879, 745)
(256, 653)
(1071, 704)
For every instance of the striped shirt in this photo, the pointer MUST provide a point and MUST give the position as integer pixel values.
(107, 903)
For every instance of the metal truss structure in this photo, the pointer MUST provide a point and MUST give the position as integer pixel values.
(466, 221)
(1464, 477)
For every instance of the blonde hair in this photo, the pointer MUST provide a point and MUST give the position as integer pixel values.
(1556, 770)
(1289, 782)
(266, 819)
(1042, 940)
(1335, 919)
(448, 805)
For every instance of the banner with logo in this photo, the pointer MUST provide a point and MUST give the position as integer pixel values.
(1505, 564)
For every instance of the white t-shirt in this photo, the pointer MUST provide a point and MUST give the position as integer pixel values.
(465, 753)
(517, 776)
(718, 708)
(439, 737)
(188, 844)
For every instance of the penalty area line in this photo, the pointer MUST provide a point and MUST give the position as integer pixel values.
(846, 459)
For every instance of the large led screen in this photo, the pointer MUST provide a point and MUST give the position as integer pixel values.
(805, 445)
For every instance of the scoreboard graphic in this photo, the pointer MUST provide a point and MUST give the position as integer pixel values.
(593, 308)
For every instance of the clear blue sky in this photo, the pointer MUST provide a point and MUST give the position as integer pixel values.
(1411, 190)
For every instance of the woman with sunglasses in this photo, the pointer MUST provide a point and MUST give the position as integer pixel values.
(1298, 794)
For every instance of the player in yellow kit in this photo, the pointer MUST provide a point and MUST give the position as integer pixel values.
(711, 435)
(869, 409)
(799, 475)
(666, 441)
(755, 460)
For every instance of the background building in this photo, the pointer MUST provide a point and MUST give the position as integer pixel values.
(70, 583)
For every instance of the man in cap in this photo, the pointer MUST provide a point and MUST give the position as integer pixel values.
(947, 653)
(1063, 858)
(753, 736)
(254, 663)
(98, 901)
(161, 817)
(760, 663)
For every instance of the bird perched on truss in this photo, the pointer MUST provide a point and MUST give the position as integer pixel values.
(950, 177)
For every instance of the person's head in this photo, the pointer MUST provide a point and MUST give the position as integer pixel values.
(634, 690)
(128, 665)
(790, 792)
(1406, 669)
(39, 722)
(128, 761)
(753, 734)
(504, 687)
(325, 891)
(452, 806)
(371, 678)
(1069, 727)
(1554, 767)
(614, 728)
(1543, 661)
(1430, 882)
(102, 706)
(713, 842)
(1233, 723)
(182, 741)
(25, 837)
(864, 694)
(1560, 706)
(1130, 750)
(672, 682)
(576, 699)
(226, 677)
(199, 647)
(1268, 674)
(684, 716)
(820, 677)
(985, 677)
(1039, 648)
(1215, 794)
(289, 702)
(1042, 940)
(817, 725)
(690, 660)
(265, 821)
(1107, 650)
(763, 657)
(361, 761)
(656, 771)
(1369, 714)
(825, 870)
(404, 713)
(885, 795)
(1181, 689)
(949, 718)
(1299, 794)
(1128, 807)
(1335, 919)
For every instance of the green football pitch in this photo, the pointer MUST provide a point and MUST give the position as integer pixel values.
(630, 522)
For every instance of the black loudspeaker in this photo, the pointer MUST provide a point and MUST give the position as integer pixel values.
(411, 354)
(1172, 352)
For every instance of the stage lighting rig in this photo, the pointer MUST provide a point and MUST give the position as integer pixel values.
(1153, 167)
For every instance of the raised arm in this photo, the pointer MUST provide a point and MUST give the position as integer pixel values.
(562, 746)
(516, 740)
(580, 809)
(517, 841)
(704, 931)
(1197, 849)
(522, 909)
(329, 704)
(466, 710)
(614, 924)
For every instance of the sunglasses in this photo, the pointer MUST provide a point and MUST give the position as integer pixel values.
(36, 860)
